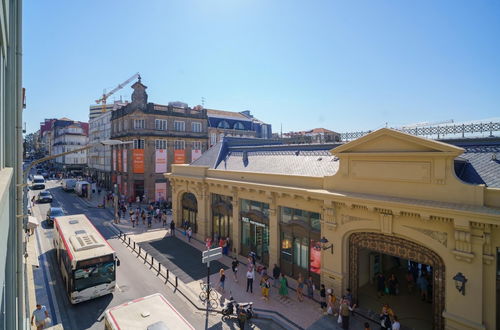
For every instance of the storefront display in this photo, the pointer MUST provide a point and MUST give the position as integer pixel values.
(254, 218)
(190, 212)
(222, 216)
(300, 248)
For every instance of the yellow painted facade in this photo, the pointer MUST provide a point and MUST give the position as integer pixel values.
(391, 185)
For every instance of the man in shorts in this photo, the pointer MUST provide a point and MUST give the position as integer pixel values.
(40, 314)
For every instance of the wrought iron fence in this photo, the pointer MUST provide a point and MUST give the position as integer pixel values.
(437, 131)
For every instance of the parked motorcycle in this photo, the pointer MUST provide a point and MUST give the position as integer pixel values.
(229, 309)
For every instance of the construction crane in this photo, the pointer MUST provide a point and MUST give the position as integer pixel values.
(105, 96)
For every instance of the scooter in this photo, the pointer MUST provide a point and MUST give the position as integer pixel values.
(229, 311)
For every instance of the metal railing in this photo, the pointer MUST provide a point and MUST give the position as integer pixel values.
(439, 131)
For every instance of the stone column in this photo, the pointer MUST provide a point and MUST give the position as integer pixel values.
(236, 246)
(274, 236)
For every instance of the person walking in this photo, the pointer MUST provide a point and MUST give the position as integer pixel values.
(310, 287)
(330, 302)
(234, 267)
(172, 228)
(222, 279)
(393, 285)
(385, 320)
(189, 234)
(40, 316)
(224, 248)
(423, 285)
(300, 288)
(380, 285)
(322, 297)
(250, 278)
(276, 275)
(265, 285)
(345, 312)
(164, 219)
(283, 291)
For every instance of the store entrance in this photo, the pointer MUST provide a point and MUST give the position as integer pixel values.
(139, 189)
(255, 237)
(400, 273)
(189, 212)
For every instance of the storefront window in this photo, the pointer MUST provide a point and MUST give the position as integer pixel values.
(300, 249)
(222, 216)
(255, 229)
(190, 211)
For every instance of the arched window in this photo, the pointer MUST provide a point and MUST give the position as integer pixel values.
(223, 124)
(190, 211)
(239, 126)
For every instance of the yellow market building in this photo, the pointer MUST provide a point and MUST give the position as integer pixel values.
(388, 203)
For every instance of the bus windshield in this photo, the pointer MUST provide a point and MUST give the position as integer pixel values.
(92, 275)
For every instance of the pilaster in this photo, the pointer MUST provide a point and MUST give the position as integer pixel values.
(236, 222)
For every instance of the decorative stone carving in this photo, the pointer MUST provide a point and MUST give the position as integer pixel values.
(386, 223)
(329, 216)
(463, 245)
(488, 256)
(349, 218)
(438, 236)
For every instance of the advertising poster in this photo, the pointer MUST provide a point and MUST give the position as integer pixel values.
(161, 161)
(124, 160)
(160, 191)
(114, 160)
(138, 160)
(119, 152)
(179, 157)
(195, 154)
(315, 262)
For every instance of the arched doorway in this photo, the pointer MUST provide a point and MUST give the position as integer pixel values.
(190, 211)
(400, 248)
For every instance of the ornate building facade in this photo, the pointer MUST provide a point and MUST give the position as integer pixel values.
(386, 203)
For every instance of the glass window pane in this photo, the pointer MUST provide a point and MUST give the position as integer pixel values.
(304, 254)
(286, 247)
(315, 221)
(286, 214)
(245, 205)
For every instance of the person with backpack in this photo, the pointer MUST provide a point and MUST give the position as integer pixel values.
(345, 312)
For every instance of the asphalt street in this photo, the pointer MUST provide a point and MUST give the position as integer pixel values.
(134, 279)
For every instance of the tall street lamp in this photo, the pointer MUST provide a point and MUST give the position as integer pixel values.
(44, 159)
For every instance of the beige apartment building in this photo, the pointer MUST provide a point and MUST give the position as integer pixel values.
(387, 203)
(159, 135)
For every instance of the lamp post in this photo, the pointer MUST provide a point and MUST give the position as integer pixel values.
(44, 159)
(323, 242)
(460, 281)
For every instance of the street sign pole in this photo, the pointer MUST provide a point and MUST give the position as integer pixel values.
(208, 256)
(208, 283)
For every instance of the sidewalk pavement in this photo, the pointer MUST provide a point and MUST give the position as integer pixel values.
(306, 314)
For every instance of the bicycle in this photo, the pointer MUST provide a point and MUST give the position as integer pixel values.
(210, 298)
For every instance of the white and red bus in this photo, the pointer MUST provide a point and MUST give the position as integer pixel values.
(151, 312)
(87, 261)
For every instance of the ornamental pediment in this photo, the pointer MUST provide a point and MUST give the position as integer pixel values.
(389, 141)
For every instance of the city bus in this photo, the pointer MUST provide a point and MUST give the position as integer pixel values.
(86, 260)
(151, 312)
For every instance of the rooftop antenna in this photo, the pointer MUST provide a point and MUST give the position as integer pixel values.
(203, 101)
(281, 130)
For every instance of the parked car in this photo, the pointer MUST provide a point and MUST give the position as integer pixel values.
(52, 213)
(44, 197)
(38, 182)
(69, 184)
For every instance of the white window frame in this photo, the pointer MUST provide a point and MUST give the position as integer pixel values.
(160, 144)
(139, 124)
(179, 145)
(161, 124)
(179, 126)
(196, 127)
(197, 145)
(139, 144)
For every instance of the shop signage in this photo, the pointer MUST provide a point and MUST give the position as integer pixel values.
(120, 167)
(124, 160)
(245, 219)
(161, 161)
(138, 160)
(160, 191)
(179, 157)
(195, 154)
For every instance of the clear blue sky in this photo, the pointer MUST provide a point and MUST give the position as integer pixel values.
(342, 65)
